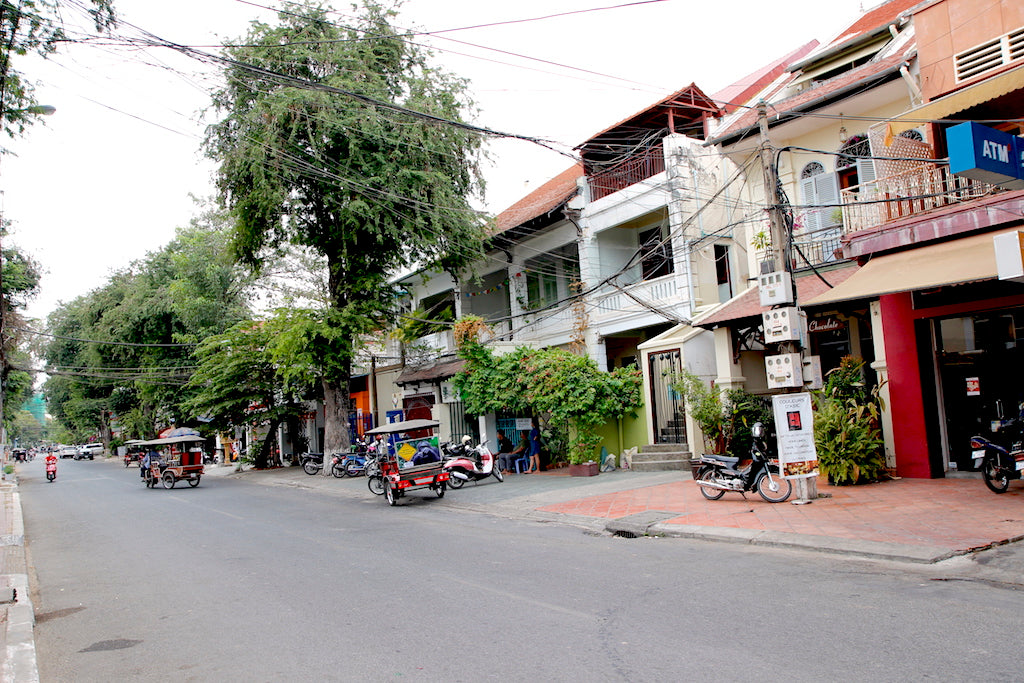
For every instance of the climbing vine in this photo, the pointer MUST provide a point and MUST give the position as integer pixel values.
(569, 390)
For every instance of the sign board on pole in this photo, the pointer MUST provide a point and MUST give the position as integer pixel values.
(794, 427)
(524, 424)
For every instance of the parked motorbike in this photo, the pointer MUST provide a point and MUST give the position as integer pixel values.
(353, 464)
(718, 473)
(466, 463)
(311, 462)
(51, 469)
(998, 463)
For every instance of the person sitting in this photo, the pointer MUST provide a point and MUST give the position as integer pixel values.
(507, 454)
(148, 460)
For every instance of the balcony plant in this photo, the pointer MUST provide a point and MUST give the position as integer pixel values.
(724, 418)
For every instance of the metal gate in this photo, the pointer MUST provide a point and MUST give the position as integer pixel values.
(462, 424)
(668, 410)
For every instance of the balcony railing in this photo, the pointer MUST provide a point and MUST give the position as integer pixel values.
(633, 170)
(660, 294)
(924, 188)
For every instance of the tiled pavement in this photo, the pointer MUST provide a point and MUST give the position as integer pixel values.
(957, 515)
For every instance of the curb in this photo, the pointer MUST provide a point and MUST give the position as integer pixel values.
(878, 550)
(20, 658)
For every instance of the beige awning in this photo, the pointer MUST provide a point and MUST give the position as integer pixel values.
(968, 259)
(973, 95)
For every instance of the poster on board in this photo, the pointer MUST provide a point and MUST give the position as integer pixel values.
(794, 428)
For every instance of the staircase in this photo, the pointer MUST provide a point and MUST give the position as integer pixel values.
(662, 457)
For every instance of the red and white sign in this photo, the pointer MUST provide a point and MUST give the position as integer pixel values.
(973, 386)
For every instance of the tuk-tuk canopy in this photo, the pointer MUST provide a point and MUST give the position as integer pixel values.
(403, 426)
(169, 441)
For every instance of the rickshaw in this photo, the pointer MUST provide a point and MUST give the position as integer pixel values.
(181, 463)
(398, 479)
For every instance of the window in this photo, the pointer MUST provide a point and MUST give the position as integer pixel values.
(812, 169)
(723, 272)
(655, 253)
(549, 278)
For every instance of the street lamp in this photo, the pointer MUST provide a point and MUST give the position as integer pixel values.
(40, 110)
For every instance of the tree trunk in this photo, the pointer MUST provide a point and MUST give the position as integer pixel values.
(336, 436)
(262, 458)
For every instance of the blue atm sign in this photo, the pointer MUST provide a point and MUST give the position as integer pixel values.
(986, 154)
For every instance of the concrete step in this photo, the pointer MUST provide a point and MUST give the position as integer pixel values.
(665, 448)
(654, 457)
(661, 465)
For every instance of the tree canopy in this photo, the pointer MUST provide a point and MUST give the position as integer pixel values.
(126, 348)
(344, 139)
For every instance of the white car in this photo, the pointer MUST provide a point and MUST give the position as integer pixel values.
(68, 451)
(89, 451)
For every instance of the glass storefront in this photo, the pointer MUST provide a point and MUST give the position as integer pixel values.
(979, 359)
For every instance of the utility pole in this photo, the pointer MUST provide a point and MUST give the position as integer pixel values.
(781, 239)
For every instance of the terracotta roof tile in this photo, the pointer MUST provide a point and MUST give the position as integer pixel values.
(542, 200)
(821, 90)
(748, 304)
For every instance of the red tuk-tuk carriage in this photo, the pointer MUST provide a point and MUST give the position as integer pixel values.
(398, 479)
(181, 461)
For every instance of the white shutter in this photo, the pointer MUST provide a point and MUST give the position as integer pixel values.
(865, 171)
(826, 192)
(808, 196)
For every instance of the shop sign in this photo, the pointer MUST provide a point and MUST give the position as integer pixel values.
(449, 394)
(973, 386)
(1009, 248)
(986, 155)
(794, 426)
(829, 324)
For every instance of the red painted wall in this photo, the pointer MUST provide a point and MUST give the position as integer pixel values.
(906, 403)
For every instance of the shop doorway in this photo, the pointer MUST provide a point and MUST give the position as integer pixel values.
(667, 407)
(978, 359)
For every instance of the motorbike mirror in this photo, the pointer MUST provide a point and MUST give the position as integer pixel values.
(757, 431)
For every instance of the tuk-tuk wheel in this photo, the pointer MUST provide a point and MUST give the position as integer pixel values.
(391, 494)
(376, 485)
(168, 480)
(194, 481)
(440, 490)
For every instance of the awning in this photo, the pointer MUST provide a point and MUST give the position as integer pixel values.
(971, 96)
(748, 303)
(431, 373)
(968, 259)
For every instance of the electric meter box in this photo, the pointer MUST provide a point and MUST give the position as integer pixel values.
(783, 325)
(784, 371)
(775, 288)
(813, 377)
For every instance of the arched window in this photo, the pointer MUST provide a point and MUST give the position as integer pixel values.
(856, 146)
(912, 134)
(812, 169)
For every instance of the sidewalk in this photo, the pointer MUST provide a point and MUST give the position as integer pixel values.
(915, 520)
(17, 617)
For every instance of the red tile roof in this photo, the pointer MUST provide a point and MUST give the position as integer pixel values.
(740, 92)
(748, 303)
(873, 19)
(804, 100)
(539, 202)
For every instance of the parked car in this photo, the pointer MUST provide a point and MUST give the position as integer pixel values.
(68, 451)
(89, 450)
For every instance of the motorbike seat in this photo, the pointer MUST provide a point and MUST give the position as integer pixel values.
(724, 459)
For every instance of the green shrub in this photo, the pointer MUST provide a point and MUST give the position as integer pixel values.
(847, 430)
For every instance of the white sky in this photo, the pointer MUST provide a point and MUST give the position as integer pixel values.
(109, 177)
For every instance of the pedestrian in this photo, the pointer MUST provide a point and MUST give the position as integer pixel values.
(533, 452)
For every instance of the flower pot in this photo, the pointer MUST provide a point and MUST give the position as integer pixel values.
(587, 469)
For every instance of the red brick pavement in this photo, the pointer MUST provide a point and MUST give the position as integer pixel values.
(959, 514)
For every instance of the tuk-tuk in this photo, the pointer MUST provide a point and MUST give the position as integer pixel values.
(398, 479)
(181, 460)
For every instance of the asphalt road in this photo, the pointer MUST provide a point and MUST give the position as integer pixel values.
(233, 581)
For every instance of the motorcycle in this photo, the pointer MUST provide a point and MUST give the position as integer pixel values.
(999, 464)
(51, 470)
(353, 464)
(311, 462)
(717, 474)
(465, 463)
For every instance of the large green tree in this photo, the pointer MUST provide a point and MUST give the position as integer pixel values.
(20, 282)
(126, 348)
(345, 140)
